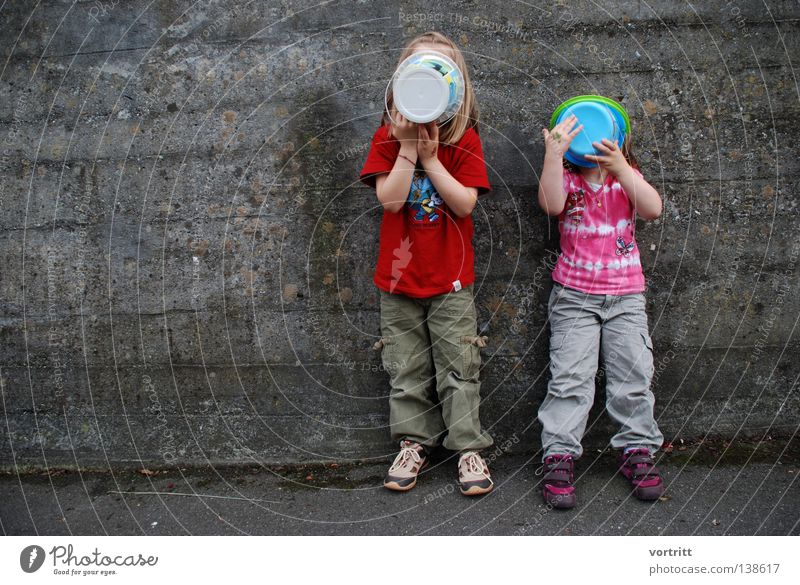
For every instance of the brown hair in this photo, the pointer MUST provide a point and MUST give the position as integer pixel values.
(627, 152)
(467, 115)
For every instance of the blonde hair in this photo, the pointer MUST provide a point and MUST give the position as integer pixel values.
(467, 116)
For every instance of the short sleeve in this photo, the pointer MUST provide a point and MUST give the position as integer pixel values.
(470, 168)
(381, 156)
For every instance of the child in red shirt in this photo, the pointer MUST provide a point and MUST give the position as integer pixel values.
(428, 179)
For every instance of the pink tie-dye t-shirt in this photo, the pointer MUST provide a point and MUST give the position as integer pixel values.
(599, 254)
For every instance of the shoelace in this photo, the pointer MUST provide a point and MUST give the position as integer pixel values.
(476, 465)
(403, 457)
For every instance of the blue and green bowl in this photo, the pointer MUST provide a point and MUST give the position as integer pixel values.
(601, 118)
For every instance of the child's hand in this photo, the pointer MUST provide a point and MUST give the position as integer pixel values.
(427, 142)
(612, 158)
(403, 130)
(557, 140)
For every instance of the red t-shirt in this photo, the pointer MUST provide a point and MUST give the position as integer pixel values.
(425, 249)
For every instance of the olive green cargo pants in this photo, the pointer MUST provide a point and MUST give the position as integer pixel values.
(431, 352)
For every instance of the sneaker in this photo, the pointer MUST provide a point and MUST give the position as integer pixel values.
(639, 469)
(557, 488)
(402, 475)
(473, 475)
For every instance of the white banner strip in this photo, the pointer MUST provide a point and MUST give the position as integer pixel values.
(169, 559)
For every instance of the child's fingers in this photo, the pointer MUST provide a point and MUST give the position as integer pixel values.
(595, 158)
(566, 125)
(562, 127)
(545, 133)
(575, 132)
(602, 147)
(609, 144)
(564, 130)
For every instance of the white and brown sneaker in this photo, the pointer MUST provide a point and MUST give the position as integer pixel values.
(409, 462)
(473, 474)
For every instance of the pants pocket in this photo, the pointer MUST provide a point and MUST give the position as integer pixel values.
(471, 354)
(388, 349)
(557, 361)
(647, 355)
(554, 291)
(556, 342)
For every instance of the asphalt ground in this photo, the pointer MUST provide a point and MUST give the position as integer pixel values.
(712, 489)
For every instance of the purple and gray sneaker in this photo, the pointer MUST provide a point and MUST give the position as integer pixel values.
(557, 487)
(639, 469)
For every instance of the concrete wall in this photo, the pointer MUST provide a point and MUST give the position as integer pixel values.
(187, 253)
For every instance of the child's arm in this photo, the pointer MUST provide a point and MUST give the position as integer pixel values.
(551, 184)
(645, 199)
(392, 187)
(460, 199)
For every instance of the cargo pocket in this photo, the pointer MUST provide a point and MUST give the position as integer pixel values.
(557, 362)
(471, 354)
(388, 348)
(647, 355)
(556, 342)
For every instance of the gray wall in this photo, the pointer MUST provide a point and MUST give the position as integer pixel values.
(187, 253)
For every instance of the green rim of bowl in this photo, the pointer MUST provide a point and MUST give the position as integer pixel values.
(596, 98)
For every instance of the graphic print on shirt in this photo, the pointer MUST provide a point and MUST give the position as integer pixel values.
(575, 206)
(624, 249)
(423, 199)
(401, 257)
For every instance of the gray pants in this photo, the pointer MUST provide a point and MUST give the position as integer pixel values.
(583, 327)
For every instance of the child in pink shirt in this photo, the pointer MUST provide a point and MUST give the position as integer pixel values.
(597, 309)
